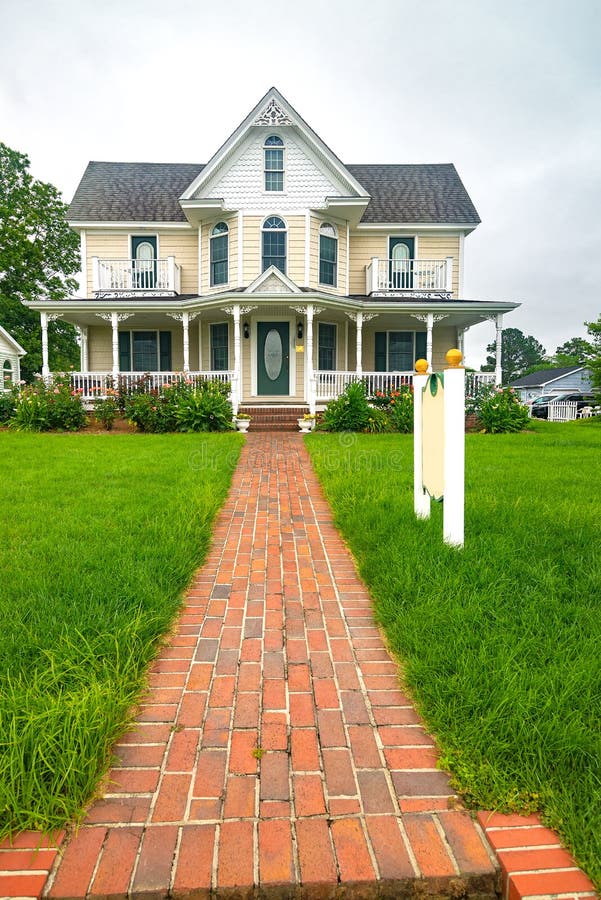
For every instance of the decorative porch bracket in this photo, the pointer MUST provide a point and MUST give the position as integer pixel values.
(114, 318)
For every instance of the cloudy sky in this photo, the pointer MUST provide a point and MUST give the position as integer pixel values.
(510, 92)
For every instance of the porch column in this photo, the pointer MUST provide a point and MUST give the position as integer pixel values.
(199, 344)
(45, 366)
(309, 360)
(498, 350)
(115, 327)
(237, 359)
(83, 333)
(429, 326)
(186, 331)
(461, 340)
(359, 350)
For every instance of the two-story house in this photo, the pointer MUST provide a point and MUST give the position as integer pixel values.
(274, 266)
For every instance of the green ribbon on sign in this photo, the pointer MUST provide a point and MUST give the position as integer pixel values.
(434, 380)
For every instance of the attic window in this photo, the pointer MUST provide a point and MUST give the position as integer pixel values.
(274, 163)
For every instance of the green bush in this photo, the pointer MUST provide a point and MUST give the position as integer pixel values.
(8, 402)
(48, 406)
(500, 411)
(349, 412)
(204, 409)
(181, 406)
(107, 409)
(378, 422)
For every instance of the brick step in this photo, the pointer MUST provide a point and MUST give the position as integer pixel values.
(274, 418)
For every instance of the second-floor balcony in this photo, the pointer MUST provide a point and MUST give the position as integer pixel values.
(410, 277)
(156, 277)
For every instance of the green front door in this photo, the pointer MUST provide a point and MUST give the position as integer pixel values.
(273, 358)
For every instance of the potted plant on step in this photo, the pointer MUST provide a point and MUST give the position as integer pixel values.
(306, 423)
(242, 421)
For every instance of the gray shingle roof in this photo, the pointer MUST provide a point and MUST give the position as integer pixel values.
(543, 376)
(149, 192)
(132, 192)
(415, 193)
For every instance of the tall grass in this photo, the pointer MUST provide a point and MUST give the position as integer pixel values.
(500, 641)
(100, 536)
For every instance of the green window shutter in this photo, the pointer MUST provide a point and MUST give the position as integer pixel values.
(380, 354)
(124, 351)
(420, 345)
(165, 351)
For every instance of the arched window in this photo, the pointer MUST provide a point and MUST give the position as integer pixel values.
(7, 375)
(274, 243)
(274, 163)
(219, 254)
(328, 254)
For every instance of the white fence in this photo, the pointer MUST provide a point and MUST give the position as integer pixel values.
(329, 385)
(409, 274)
(563, 412)
(135, 274)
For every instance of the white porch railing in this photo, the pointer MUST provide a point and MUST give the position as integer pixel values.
(409, 275)
(94, 385)
(135, 274)
(329, 385)
(476, 380)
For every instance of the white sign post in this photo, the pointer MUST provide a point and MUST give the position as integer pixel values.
(439, 444)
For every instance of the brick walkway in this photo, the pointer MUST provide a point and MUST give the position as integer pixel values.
(274, 748)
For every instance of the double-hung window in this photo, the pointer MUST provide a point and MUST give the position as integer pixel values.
(145, 351)
(274, 163)
(273, 244)
(326, 346)
(219, 254)
(397, 351)
(328, 254)
(219, 347)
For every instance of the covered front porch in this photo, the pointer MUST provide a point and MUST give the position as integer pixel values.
(271, 351)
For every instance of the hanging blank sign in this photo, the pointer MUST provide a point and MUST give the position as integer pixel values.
(433, 436)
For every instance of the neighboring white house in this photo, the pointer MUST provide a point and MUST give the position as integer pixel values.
(554, 381)
(10, 360)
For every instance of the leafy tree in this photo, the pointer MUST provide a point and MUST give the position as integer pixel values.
(39, 254)
(574, 352)
(518, 353)
(594, 363)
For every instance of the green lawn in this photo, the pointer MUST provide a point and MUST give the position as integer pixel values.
(501, 641)
(100, 535)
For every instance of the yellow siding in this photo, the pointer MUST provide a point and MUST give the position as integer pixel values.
(443, 339)
(252, 248)
(296, 249)
(105, 245)
(363, 247)
(439, 246)
(207, 227)
(183, 245)
(100, 348)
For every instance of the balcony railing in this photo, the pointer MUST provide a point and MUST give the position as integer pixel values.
(409, 275)
(136, 275)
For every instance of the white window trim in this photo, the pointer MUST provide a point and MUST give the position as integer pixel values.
(265, 147)
(317, 323)
(335, 227)
(222, 284)
(262, 231)
(156, 331)
(390, 331)
(229, 343)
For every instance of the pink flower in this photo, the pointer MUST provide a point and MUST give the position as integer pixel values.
(56, 391)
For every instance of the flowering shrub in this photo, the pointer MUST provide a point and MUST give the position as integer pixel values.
(8, 402)
(180, 406)
(107, 409)
(397, 403)
(500, 411)
(47, 406)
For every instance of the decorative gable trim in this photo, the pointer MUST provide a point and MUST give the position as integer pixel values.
(273, 281)
(12, 343)
(273, 115)
(274, 104)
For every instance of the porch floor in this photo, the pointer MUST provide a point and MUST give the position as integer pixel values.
(275, 754)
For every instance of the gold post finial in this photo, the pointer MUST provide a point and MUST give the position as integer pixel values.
(421, 366)
(454, 358)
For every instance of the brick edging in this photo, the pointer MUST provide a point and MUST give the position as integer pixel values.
(532, 860)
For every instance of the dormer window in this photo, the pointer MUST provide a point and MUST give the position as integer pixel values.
(219, 254)
(274, 163)
(328, 254)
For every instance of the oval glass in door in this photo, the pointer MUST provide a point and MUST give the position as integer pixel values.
(273, 354)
